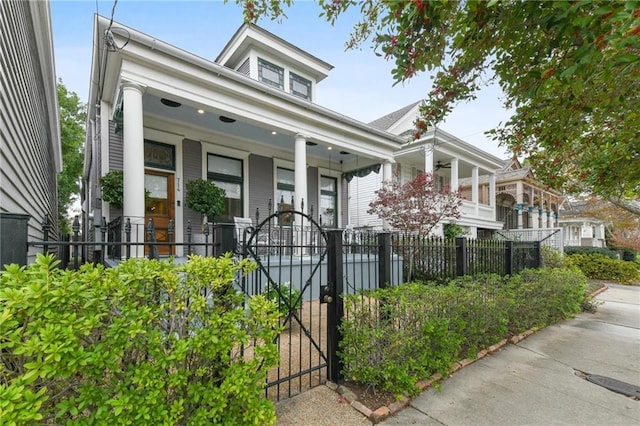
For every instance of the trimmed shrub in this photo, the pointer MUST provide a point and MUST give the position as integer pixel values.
(145, 343)
(394, 337)
(391, 337)
(540, 297)
(591, 250)
(597, 266)
(551, 257)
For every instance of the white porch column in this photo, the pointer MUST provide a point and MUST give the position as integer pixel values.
(454, 175)
(519, 200)
(387, 176)
(492, 190)
(474, 188)
(534, 217)
(300, 173)
(133, 163)
(428, 158)
(387, 170)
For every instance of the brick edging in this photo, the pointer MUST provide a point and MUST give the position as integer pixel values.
(383, 412)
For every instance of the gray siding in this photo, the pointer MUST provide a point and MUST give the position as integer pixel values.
(191, 169)
(29, 134)
(312, 192)
(260, 186)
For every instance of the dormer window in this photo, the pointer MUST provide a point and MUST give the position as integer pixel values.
(270, 74)
(300, 86)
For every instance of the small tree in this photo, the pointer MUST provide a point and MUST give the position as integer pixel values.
(205, 197)
(112, 185)
(415, 207)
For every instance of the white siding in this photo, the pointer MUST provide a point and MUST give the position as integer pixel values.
(29, 133)
(362, 191)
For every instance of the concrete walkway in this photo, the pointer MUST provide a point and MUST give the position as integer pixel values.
(539, 381)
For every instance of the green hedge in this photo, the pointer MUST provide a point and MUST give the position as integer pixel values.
(600, 267)
(591, 250)
(396, 336)
(145, 343)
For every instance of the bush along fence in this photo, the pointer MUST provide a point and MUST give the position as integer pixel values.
(147, 343)
(394, 337)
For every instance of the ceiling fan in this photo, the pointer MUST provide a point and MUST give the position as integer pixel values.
(440, 165)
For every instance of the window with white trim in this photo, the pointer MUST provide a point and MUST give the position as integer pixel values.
(329, 201)
(227, 173)
(299, 86)
(270, 74)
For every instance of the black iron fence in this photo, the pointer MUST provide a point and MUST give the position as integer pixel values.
(305, 269)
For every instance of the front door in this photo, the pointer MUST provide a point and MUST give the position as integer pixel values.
(159, 206)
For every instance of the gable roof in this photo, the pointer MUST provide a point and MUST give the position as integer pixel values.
(386, 121)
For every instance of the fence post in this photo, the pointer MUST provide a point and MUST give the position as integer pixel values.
(384, 259)
(46, 227)
(461, 257)
(335, 309)
(170, 231)
(188, 237)
(103, 234)
(127, 237)
(151, 236)
(537, 254)
(76, 231)
(508, 258)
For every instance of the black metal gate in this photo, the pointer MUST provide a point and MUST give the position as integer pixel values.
(291, 250)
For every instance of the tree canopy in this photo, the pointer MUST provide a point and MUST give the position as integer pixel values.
(72, 133)
(568, 69)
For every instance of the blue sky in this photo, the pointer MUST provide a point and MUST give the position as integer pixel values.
(360, 85)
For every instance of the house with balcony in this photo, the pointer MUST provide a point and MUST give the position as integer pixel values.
(247, 121)
(497, 194)
(29, 131)
(454, 163)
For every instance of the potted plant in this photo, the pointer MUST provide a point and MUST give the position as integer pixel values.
(206, 198)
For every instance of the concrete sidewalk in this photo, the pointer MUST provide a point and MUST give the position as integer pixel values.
(538, 381)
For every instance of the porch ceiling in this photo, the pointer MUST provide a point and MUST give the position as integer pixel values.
(209, 121)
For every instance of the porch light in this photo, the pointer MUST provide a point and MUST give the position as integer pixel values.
(274, 133)
(329, 148)
(226, 119)
(170, 103)
(200, 111)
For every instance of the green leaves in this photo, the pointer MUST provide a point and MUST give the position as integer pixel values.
(148, 342)
(205, 197)
(394, 337)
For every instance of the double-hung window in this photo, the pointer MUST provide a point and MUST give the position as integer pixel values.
(227, 173)
(329, 201)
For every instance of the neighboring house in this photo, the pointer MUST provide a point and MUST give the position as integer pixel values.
(522, 201)
(579, 228)
(454, 163)
(246, 121)
(496, 194)
(29, 128)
